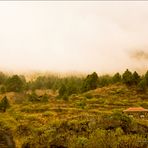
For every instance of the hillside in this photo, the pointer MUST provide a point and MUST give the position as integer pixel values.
(74, 121)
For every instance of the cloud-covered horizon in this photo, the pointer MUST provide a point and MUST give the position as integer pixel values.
(73, 36)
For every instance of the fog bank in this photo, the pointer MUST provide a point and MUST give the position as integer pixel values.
(74, 36)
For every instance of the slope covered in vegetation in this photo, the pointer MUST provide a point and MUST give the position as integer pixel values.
(87, 113)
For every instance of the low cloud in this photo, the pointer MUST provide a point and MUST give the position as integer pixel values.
(139, 55)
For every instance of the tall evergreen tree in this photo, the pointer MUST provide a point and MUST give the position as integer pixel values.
(116, 78)
(127, 77)
(142, 85)
(90, 82)
(136, 78)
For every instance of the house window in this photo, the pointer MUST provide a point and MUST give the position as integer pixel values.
(142, 116)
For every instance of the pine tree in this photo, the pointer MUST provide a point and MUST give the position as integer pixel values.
(127, 77)
(90, 82)
(142, 85)
(93, 80)
(116, 78)
(14, 83)
(136, 78)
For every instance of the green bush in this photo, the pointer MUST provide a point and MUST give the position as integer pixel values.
(14, 83)
(103, 139)
(4, 104)
(81, 104)
(80, 142)
(33, 97)
(132, 141)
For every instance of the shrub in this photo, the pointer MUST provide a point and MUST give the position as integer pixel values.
(44, 98)
(103, 139)
(33, 97)
(88, 95)
(81, 142)
(4, 104)
(48, 113)
(132, 141)
(2, 89)
(81, 104)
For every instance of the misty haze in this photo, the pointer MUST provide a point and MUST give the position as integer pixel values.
(73, 36)
(73, 74)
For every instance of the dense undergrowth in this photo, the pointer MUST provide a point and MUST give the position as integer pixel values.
(73, 112)
(93, 119)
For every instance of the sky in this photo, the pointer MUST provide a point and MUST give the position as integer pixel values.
(74, 36)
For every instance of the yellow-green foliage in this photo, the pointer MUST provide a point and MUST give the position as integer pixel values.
(91, 119)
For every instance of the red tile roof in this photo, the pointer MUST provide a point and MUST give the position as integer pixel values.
(134, 109)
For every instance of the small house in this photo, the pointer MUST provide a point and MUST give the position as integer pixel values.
(138, 112)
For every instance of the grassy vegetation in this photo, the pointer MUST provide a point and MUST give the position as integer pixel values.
(73, 112)
(93, 118)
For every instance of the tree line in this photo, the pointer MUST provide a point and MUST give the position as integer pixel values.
(72, 84)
